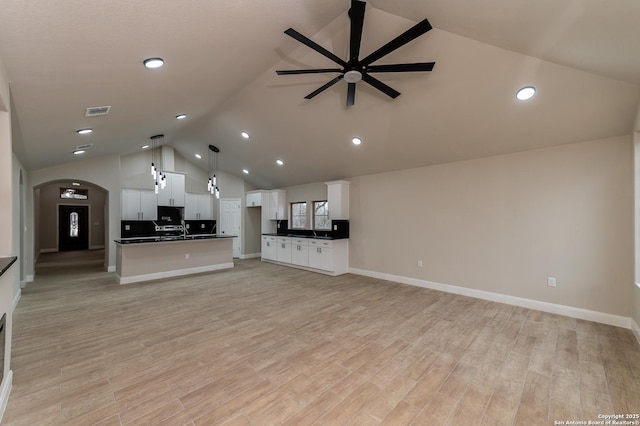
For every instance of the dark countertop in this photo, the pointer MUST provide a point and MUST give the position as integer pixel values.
(318, 237)
(196, 237)
(6, 262)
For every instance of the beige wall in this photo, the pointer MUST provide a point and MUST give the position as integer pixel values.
(504, 224)
(636, 288)
(103, 172)
(48, 208)
(6, 181)
(9, 281)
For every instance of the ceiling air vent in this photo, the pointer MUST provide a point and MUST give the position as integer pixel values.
(86, 146)
(95, 111)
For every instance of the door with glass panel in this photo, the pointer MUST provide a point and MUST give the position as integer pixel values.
(73, 227)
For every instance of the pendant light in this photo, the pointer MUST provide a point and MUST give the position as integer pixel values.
(157, 172)
(212, 184)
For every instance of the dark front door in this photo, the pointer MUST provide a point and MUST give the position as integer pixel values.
(73, 228)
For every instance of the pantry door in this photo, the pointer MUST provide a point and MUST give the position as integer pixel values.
(230, 220)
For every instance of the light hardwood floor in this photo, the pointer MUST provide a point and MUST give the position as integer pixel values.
(264, 344)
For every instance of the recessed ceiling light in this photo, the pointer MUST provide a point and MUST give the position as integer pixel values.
(78, 151)
(198, 156)
(245, 171)
(279, 162)
(181, 116)
(145, 146)
(153, 62)
(526, 93)
(84, 131)
(356, 141)
(245, 135)
(75, 183)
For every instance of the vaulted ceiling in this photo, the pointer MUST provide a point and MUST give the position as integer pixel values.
(220, 60)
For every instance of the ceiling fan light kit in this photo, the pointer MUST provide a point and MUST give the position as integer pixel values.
(355, 70)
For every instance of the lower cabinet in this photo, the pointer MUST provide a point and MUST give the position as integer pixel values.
(269, 250)
(300, 251)
(321, 255)
(283, 249)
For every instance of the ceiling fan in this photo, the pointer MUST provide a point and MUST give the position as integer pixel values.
(355, 70)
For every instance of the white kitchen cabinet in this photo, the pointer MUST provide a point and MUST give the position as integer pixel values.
(174, 193)
(329, 257)
(283, 249)
(139, 204)
(321, 254)
(254, 199)
(300, 251)
(269, 249)
(198, 207)
(278, 204)
(338, 199)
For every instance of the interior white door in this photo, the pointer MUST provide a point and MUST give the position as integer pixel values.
(230, 220)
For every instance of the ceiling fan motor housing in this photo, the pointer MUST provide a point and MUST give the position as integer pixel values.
(352, 76)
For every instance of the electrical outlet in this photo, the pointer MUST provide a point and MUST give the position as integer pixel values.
(186, 255)
(419, 263)
(551, 281)
(335, 227)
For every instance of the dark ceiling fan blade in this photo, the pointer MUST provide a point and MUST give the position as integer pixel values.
(351, 94)
(312, 71)
(325, 87)
(315, 46)
(418, 66)
(404, 38)
(357, 22)
(380, 86)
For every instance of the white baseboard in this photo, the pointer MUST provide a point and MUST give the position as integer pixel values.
(29, 278)
(111, 268)
(49, 250)
(5, 391)
(568, 311)
(16, 299)
(250, 256)
(171, 274)
(636, 329)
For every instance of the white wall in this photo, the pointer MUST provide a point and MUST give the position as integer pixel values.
(504, 224)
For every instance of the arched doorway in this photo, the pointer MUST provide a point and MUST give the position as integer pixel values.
(70, 223)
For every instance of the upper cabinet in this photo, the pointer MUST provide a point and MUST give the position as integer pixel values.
(198, 207)
(254, 198)
(278, 204)
(338, 199)
(173, 194)
(139, 204)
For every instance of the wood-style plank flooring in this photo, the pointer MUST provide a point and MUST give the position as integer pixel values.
(263, 344)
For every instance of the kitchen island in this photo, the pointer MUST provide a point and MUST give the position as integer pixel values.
(152, 258)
